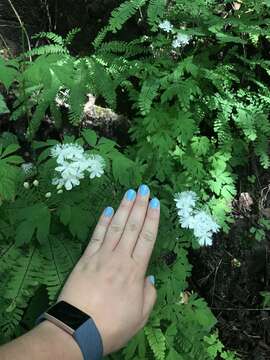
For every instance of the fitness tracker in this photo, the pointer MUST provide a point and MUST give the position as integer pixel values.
(79, 325)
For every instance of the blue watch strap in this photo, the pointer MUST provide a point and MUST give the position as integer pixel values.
(89, 340)
(87, 337)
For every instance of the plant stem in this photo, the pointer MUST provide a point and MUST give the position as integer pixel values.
(22, 27)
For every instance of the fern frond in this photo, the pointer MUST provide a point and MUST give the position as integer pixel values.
(101, 36)
(78, 92)
(123, 13)
(22, 267)
(46, 50)
(148, 93)
(155, 12)
(104, 84)
(59, 256)
(128, 50)
(57, 39)
(157, 341)
(71, 35)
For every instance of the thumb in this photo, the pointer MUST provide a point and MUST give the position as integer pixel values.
(150, 296)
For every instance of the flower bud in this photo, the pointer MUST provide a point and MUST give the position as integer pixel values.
(60, 191)
(48, 195)
(26, 185)
(35, 182)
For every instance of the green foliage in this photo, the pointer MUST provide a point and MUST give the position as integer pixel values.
(259, 232)
(3, 106)
(200, 115)
(9, 172)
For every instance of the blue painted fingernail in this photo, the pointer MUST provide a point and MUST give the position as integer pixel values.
(108, 212)
(154, 203)
(144, 190)
(130, 195)
(152, 279)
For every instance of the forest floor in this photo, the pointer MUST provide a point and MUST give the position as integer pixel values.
(230, 276)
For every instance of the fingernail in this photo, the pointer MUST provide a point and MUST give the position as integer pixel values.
(108, 212)
(144, 190)
(130, 195)
(154, 203)
(151, 279)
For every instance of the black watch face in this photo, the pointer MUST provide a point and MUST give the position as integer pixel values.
(68, 314)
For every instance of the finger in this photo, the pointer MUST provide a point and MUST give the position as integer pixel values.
(119, 220)
(135, 220)
(145, 244)
(150, 297)
(99, 232)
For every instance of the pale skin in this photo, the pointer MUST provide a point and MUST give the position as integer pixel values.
(109, 283)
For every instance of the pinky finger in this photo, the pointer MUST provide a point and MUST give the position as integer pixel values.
(99, 233)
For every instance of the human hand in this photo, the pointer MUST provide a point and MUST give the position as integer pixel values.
(108, 283)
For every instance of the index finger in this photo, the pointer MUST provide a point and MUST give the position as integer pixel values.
(147, 238)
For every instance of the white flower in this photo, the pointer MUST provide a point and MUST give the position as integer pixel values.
(166, 26)
(48, 195)
(187, 222)
(185, 200)
(181, 40)
(67, 152)
(73, 163)
(204, 227)
(202, 224)
(96, 166)
(35, 182)
(68, 182)
(27, 168)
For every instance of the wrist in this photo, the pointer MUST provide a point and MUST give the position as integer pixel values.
(60, 343)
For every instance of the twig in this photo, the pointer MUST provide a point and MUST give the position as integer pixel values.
(238, 309)
(215, 278)
(22, 27)
(6, 45)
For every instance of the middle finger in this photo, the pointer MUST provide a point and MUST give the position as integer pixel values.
(135, 221)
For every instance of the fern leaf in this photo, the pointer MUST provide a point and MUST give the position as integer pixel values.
(78, 92)
(155, 11)
(22, 267)
(57, 39)
(157, 341)
(124, 12)
(104, 86)
(100, 37)
(71, 35)
(148, 93)
(59, 257)
(46, 50)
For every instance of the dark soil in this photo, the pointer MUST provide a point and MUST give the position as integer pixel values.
(230, 275)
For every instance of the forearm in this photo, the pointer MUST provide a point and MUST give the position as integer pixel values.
(44, 342)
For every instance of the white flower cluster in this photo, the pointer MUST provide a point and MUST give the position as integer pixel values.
(73, 164)
(180, 39)
(166, 26)
(202, 224)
